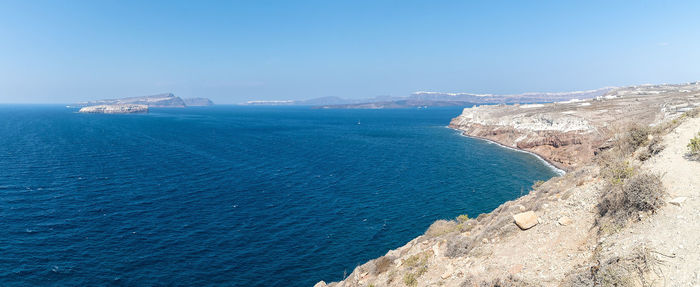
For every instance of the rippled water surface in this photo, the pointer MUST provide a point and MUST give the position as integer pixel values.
(242, 196)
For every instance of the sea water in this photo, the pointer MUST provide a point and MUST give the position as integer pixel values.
(234, 196)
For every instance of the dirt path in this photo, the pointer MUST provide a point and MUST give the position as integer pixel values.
(675, 230)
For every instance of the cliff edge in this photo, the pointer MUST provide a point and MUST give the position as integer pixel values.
(626, 213)
(569, 134)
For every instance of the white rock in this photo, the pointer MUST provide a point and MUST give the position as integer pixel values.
(678, 200)
(564, 221)
(320, 284)
(526, 220)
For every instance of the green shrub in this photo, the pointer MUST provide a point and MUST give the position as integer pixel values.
(617, 170)
(694, 146)
(537, 184)
(463, 218)
(410, 279)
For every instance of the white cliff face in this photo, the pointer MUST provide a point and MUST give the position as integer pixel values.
(495, 116)
(114, 109)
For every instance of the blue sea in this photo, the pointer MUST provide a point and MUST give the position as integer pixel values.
(233, 196)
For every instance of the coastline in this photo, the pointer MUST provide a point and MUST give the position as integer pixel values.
(553, 167)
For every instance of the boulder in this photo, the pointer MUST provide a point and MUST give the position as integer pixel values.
(526, 220)
(320, 284)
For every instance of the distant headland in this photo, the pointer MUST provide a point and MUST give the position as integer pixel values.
(140, 104)
(423, 99)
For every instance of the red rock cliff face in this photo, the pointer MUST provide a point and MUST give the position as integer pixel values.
(565, 150)
(568, 134)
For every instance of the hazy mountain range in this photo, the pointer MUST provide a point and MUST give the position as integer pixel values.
(423, 98)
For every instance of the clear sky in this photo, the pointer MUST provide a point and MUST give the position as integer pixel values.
(233, 51)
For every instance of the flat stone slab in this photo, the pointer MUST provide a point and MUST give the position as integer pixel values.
(525, 220)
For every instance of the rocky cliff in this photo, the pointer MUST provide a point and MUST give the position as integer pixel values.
(562, 232)
(114, 109)
(568, 134)
(167, 100)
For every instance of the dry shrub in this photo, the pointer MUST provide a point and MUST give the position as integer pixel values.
(639, 268)
(654, 148)
(441, 227)
(457, 246)
(641, 193)
(637, 136)
(644, 192)
(615, 167)
(508, 281)
(382, 264)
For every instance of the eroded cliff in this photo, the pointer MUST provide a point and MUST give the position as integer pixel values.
(568, 134)
(562, 232)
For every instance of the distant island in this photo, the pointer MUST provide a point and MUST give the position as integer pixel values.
(114, 109)
(198, 102)
(424, 99)
(140, 104)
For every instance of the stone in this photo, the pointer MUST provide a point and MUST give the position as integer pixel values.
(321, 284)
(515, 269)
(564, 221)
(449, 270)
(526, 220)
(678, 200)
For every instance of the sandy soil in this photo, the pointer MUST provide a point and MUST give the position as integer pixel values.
(674, 232)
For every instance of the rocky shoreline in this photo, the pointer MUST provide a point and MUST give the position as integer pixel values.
(544, 160)
(561, 233)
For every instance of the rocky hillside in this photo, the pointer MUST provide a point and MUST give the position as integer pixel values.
(625, 214)
(154, 101)
(568, 134)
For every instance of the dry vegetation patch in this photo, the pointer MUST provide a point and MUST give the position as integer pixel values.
(694, 147)
(641, 193)
(639, 268)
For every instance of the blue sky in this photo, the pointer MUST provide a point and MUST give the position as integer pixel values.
(233, 51)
